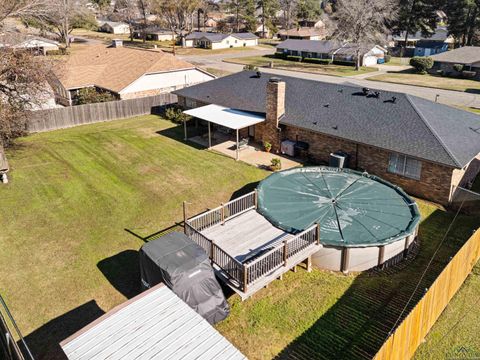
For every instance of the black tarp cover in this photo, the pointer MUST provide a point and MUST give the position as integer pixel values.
(184, 267)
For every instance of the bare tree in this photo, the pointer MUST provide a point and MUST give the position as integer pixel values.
(23, 78)
(178, 15)
(22, 8)
(363, 22)
(288, 8)
(144, 8)
(128, 12)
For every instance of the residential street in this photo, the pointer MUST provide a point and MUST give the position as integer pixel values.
(455, 98)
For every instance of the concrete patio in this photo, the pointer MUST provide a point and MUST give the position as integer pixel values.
(252, 154)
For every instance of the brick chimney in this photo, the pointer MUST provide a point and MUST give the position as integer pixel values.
(275, 109)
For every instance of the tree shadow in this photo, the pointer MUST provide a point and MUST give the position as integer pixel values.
(177, 133)
(358, 324)
(123, 272)
(248, 188)
(44, 342)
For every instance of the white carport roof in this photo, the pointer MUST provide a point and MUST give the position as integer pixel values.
(231, 118)
(156, 324)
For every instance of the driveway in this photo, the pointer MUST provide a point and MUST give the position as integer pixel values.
(454, 98)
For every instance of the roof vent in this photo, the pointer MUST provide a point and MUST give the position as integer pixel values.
(259, 74)
(275, 79)
(394, 99)
(376, 94)
(365, 91)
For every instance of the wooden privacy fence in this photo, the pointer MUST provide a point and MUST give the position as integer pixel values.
(403, 343)
(60, 118)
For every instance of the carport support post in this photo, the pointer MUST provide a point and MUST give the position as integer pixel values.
(209, 136)
(185, 129)
(238, 143)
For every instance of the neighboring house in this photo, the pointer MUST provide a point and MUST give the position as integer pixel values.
(124, 72)
(333, 50)
(263, 32)
(302, 34)
(318, 24)
(426, 148)
(419, 45)
(155, 33)
(37, 45)
(468, 56)
(213, 41)
(113, 27)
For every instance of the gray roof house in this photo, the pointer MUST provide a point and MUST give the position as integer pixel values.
(425, 147)
(333, 50)
(468, 56)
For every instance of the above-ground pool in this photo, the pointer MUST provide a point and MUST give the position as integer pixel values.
(364, 221)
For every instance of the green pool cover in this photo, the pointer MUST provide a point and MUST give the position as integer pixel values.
(353, 209)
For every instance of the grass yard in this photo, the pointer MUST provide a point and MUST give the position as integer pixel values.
(437, 82)
(458, 326)
(264, 61)
(78, 196)
(217, 72)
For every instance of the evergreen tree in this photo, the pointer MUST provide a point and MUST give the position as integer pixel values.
(308, 10)
(268, 10)
(416, 15)
(463, 20)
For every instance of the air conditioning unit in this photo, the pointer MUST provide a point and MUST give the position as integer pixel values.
(338, 160)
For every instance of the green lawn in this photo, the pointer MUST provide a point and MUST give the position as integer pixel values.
(459, 325)
(67, 256)
(264, 61)
(437, 82)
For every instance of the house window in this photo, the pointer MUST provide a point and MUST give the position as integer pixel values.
(405, 166)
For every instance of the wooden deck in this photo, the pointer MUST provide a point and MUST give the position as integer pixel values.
(246, 250)
(246, 235)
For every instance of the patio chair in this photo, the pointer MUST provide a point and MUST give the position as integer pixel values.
(243, 144)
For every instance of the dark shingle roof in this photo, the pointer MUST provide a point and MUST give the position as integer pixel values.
(316, 46)
(463, 55)
(216, 37)
(408, 125)
(440, 34)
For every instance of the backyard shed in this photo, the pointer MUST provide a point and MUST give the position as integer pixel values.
(184, 267)
(156, 324)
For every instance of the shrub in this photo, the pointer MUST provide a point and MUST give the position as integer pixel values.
(318, 61)
(92, 95)
(61, 51)
(267, 146)
(388, 58)
(469, 74)
(458, 67)
(294, 58)
(280, 55)
(421, 64)
(176, 115)
(344, 62)
(250, 67)
(275, 164)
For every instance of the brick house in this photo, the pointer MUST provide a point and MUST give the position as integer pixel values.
(125, 72)
(426, 148)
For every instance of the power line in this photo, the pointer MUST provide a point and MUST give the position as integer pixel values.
(426, 269)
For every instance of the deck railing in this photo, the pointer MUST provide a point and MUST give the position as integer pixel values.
(223, 212)
(279, 256)
(248, 273)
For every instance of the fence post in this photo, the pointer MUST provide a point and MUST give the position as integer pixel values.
(255, 198)
(318, 233)
(185, 217)
(212, 251)
(222, 212)
(285, 252)
(245, 278)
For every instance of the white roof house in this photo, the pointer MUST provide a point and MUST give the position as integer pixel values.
(114, 27)
(156, 324)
